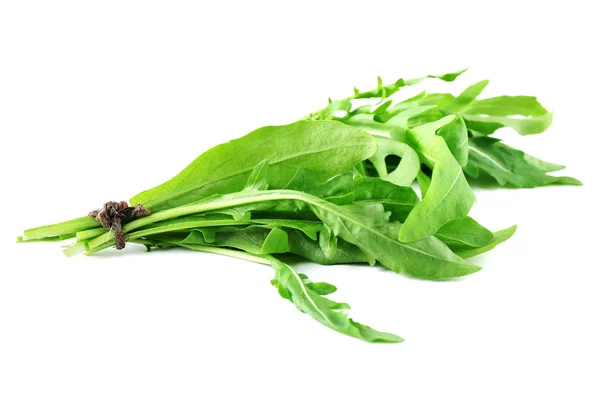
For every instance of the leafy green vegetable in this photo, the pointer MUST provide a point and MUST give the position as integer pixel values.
(478, 117)
(346, 253)
(406, 171)
(499, 237)
(510, 166)
(326, 148)
(326, 190)
(366, 226)
(250, 239)
(449, 196)
(398, 200)
(297, 289)
(465, 232)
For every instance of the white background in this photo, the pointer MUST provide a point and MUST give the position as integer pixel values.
(100, 100)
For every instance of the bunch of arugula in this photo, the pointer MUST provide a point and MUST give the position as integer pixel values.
(322, 189)
(450, 137)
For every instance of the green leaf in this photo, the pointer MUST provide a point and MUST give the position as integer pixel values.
(209, 234)
(366, 226)
(522, 113)
(258, 177)
(328, 112)
(509, 166)
(328, 242)
(309, 228)
(328, 312)
(468, 96)
(449, 196)
(327, 147)
(464, 232)
(499, 237)
(399, 200)
(407, 170)
(320, 288)
(338, 189)
(424, 181)
(456, 137)
(388, 90)
(345, 253)
(254, 240)
(542, 165)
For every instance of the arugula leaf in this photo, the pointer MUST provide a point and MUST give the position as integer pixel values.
(298, 290)
(309, 228)
(449, 196)
(468, 96)
(464, 232)
(424, 181)
(499, 237)
(327, 147)
(481, 117)
(346, 253)
(398, 200)
(388, 90)
(509, 166)
(328, 242)
(524, 114)
(337, 190)
(252, 239)
(406, 171)
(366, 226)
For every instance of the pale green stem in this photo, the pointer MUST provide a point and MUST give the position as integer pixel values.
(171, 228)
(199, 208)
(242, 255)
(77, 248)
(64, 228)
(90, 233)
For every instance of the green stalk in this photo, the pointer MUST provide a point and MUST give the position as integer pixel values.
(242, 255)
(167, 228)
(198, 208)
(90, 233)
(75, 249)
(64, 228)
(183, 226)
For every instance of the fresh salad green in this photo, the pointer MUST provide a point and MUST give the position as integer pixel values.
(337, 187)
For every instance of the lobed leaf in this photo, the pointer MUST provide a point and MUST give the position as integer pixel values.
(509, 166)
(293, 287)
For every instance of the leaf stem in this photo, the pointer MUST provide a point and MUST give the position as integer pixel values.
(196, 208)
(64, 228)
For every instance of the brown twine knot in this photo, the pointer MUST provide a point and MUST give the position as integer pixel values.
(111, 217)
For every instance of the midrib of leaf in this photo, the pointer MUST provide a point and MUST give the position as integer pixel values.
(383, 201)
(303, 288)
(173, 195)
(447, 193)
(464, 141)
(260, 196)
